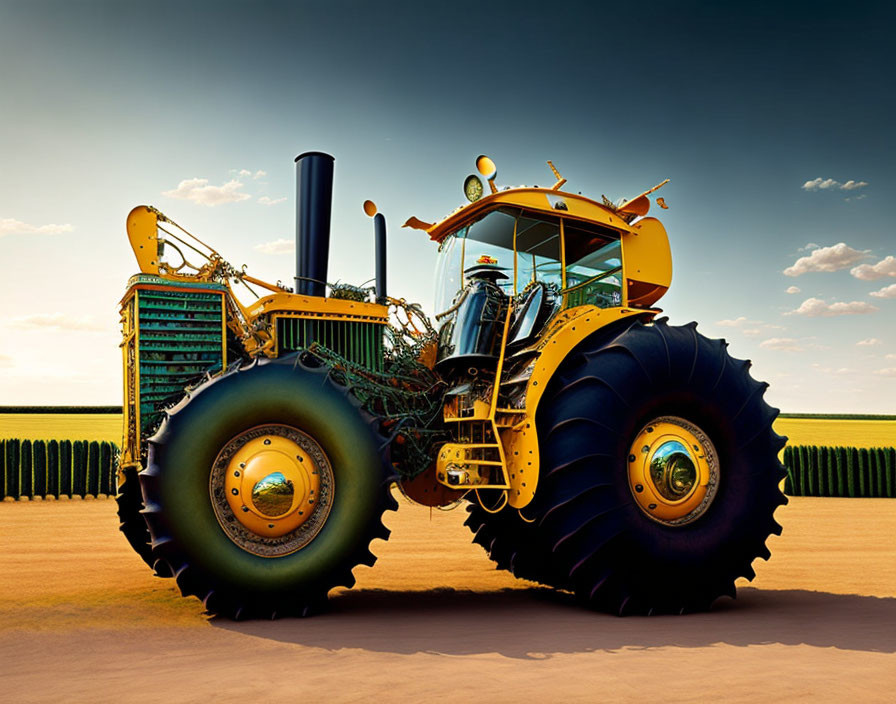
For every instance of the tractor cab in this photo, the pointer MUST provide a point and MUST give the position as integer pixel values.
(520, 256)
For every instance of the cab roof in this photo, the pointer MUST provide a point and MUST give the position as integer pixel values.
(546, 201)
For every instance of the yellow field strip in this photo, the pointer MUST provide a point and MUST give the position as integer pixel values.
(107, 426)
(832, 432)
(61, 426)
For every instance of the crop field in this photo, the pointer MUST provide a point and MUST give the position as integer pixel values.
(61, 426)
(836, 431)
(107, 427)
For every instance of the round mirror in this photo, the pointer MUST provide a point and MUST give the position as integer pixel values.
(486, 167)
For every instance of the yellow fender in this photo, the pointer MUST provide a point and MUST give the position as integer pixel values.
(646, 262)
(521, 441)
(143, 235)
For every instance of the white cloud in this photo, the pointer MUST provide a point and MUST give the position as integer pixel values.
(819, 183)
(869, 342)
(265, 200)
(747, 327)
(871, 272)
(11, 226)
(890, 356)
(793, 289)
(817, 308)
(5, 361)
(199, 191)
(735, 323)
(885, 292)
(280, 246)
(816, 346)
(255, 175)
(889, 371)
(830, 370)
(784, 344)
(834, 258)
(58, 321)
(824, 184)
(810, 245)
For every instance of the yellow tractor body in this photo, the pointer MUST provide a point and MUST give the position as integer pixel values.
(600, 450)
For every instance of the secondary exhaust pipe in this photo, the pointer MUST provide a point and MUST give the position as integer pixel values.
(314, 202)
(379, 235)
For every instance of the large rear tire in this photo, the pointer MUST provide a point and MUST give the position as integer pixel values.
(238, 547)
(593, 531)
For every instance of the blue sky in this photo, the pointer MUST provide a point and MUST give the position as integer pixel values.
(104, 106)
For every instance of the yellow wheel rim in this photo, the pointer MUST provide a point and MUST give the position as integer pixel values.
(271, 488)
(673, 471)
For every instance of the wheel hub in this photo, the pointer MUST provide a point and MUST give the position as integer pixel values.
(673, 471)
(271, 488)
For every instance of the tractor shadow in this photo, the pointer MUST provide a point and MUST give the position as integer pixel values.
(537, 623)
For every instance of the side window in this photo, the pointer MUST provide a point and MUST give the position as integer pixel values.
(538, 253)
(593, 268)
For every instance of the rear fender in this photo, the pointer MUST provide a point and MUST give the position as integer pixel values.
(566, 332)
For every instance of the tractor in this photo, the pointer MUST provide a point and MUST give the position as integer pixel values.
(599, 449)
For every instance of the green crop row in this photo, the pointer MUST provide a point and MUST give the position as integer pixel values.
(840, 471)
(30, 468)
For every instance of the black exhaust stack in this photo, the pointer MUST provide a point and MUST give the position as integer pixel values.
(379, 231)
(314, 201)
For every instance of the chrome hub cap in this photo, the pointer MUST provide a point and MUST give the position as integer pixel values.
(673, 471)
(271, 488)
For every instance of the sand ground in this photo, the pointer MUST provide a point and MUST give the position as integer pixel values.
(83, 620)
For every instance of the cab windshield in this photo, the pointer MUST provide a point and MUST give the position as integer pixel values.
(488, 241)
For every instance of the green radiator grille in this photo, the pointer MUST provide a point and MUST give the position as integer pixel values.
(180, 339)
(358, 342)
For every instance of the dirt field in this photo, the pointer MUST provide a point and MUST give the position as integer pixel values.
(81, 619)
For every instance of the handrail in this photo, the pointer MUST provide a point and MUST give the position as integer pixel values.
(594, 278)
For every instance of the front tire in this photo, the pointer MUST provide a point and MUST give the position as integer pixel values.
(129, 500)
(306, 516)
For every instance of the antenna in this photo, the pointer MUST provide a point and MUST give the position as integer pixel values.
(560, 179)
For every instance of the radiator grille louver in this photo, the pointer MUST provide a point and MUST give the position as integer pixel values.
(358, 342)
(180, 339)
